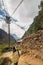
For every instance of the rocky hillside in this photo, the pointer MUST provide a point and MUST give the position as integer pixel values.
(31, 49)
(33, 41)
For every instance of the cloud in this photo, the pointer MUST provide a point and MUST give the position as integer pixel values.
(25, 15)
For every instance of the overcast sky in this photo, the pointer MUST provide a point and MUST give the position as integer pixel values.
(25, 15)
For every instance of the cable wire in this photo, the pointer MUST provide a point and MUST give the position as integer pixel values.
(17, 7)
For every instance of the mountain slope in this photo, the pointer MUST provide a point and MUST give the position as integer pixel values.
(32, 43)
(4, 37)
(31, 49)
(38, 22)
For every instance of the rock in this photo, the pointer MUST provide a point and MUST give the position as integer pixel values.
(6, 61)
(29, 60)
(33, 41)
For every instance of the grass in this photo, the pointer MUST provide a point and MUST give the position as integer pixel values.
(2, 46)
(15, 55)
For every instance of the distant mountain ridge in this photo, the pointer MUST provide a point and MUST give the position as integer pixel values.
(4, 37)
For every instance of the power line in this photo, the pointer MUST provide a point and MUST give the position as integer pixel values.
(17, 7)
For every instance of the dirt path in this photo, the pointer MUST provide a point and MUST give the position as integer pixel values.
(8, 54)
(13, 56)
(32, 58)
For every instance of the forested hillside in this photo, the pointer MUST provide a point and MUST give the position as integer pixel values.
(38, 21)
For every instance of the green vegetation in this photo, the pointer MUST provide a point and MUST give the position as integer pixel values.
(3, 47)
(38, 20)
